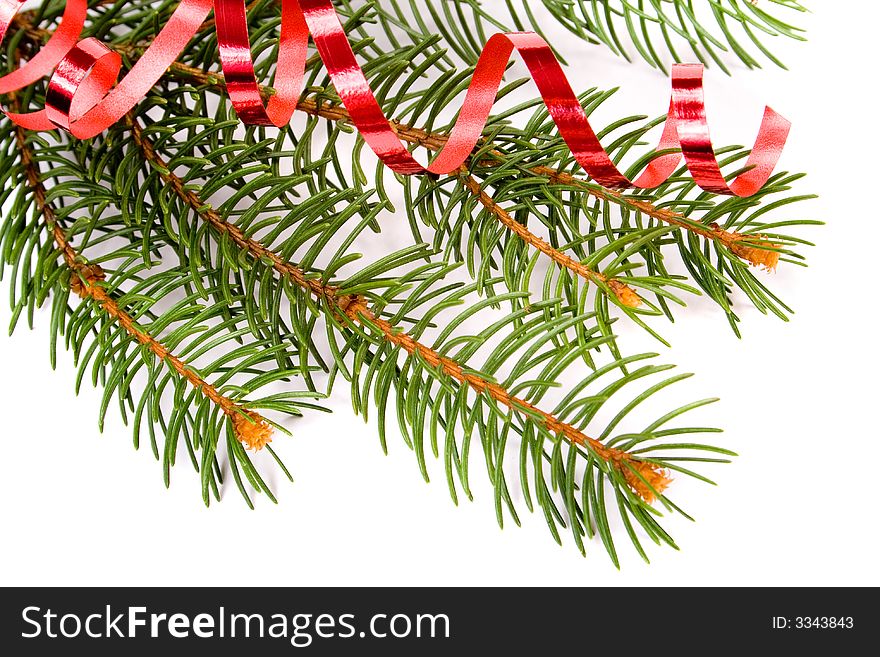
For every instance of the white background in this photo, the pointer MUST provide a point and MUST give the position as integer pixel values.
(799, 403)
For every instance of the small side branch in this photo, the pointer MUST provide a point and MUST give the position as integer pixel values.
(624, 293)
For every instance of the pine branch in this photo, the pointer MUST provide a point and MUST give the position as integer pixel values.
(751, 252)
(582, 472)
(755, 250)
(625, 294)
(249, 427)
(678, 21)
(433, 141)
(246, 426)
(232, 209)
(644, 478)
(752, 249)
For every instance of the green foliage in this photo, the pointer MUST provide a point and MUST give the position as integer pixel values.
(615, 237)
(657, 31)
(246, 283)
(187, 308)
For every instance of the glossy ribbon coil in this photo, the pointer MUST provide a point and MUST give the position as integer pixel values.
(84, 98)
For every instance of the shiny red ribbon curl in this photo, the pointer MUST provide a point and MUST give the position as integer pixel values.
(84, 97)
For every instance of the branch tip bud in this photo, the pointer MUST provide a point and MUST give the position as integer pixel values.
(625, 294)
(749, 247)
(657, 477)
(251, 429)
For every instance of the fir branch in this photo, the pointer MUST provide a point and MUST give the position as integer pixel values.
(490, 158)
(435, 141)
(423, 138)
(716, 279)
(432, 141)
(577, 475)
(754, 249)
(86, 278)
(643, 477)
(625, 294)
(650, 479)
(154, 197)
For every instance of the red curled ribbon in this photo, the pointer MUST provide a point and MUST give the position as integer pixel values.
(81, 97)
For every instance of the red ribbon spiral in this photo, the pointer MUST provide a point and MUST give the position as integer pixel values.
(81, 97)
